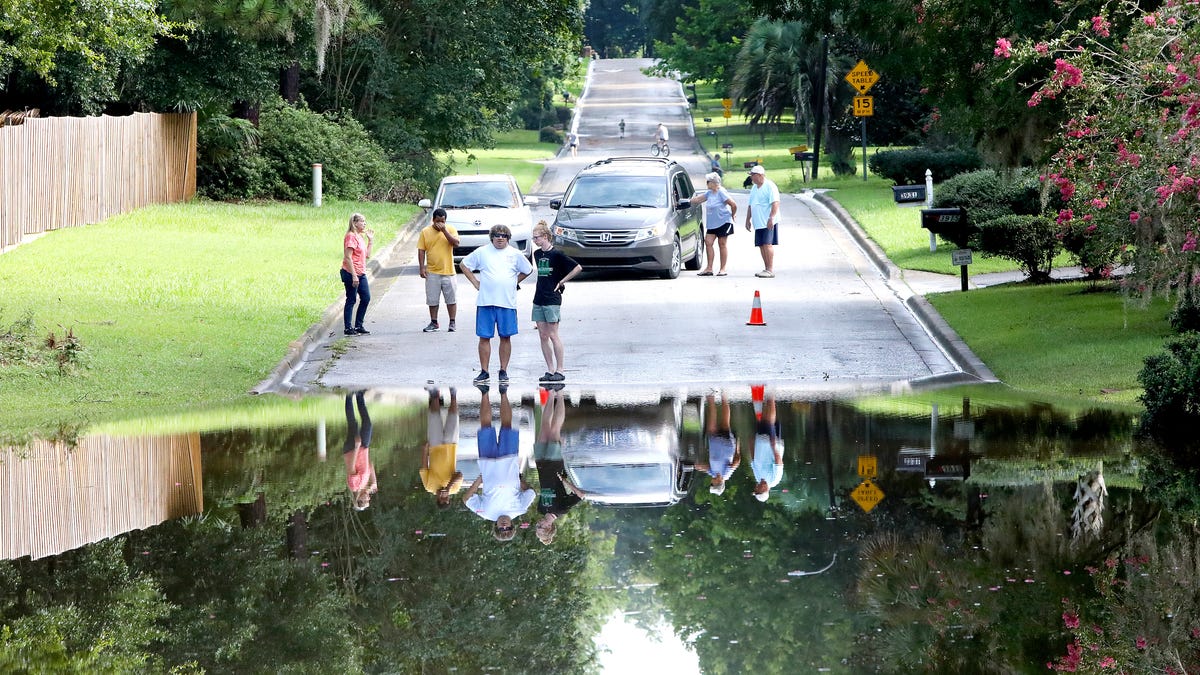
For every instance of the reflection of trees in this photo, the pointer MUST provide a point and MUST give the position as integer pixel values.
(724, 581)
(452, 597)
(83, 611)
(985, 604)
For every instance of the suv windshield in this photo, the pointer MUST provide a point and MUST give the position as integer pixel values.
(481, 195)
(618, 191)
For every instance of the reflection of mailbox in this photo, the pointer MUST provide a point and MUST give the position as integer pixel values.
(908, 194)
(948, 468)
(949, 224)
(912, 460)
(804, 156)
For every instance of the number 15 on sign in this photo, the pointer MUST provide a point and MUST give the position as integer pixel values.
(864, 106)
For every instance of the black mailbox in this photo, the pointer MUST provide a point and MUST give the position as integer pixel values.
(804, 156)
(908, 194)
(949, 224)
(948, 468)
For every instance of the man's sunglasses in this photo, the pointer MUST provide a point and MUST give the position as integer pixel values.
(500, 236)
(505, 529)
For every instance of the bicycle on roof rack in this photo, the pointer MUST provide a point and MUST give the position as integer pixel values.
(660, 148)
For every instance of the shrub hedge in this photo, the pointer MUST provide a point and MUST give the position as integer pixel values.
(907, 167)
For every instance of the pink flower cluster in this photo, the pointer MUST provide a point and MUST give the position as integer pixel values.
(1189, 243)
(1124, 156)
(1003, 48)
(1180, 183)
(1100, 25)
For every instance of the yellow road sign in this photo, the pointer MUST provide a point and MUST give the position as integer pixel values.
(861, 77)
(867, 495)
(864, 106)
(867, 466)
(727, 103)
(728, 113)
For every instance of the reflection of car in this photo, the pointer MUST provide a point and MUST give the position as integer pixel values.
(631, 212)
(630, 455)
(475, 203)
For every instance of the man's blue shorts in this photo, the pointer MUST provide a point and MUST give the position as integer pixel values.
(767, 235)
(489, 319)
(492, 446)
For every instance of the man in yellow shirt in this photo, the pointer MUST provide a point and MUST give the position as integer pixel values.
(435, 256)
(438, 471)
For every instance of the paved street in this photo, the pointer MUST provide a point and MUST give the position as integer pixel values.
(834, 322)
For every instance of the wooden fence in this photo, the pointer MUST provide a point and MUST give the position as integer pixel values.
(54, 498)
(64, 171)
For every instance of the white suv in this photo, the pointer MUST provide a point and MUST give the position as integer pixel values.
(474, 203)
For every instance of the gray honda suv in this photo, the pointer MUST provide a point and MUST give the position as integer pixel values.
(632, 213)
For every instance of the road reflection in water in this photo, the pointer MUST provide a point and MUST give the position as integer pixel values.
(569, 530)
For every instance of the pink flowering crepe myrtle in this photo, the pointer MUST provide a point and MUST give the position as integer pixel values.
(1125, 173)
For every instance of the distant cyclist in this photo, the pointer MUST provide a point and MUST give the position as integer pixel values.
(660, 146)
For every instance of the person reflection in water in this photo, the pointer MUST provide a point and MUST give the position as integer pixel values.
(500, 493)
(438, 472)
(556, 493)
(724, 453)
(356, 451)
(766, 455)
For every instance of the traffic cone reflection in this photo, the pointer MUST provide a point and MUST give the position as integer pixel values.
(756, 317)
(543, 396)
(756, 393)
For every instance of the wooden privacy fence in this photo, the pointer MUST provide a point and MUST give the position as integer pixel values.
(64, 171)
(54, 498)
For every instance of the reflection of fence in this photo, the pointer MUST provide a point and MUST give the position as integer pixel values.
(54, 499)
(64, 171)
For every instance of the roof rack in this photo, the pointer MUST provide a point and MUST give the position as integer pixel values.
(634, 158)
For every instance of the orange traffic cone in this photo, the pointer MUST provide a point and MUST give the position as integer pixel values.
(756, 318)
(543, 396)
(756, 393)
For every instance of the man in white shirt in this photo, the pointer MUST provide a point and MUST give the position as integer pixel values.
(500, 268)
(762, 210)
(500, 493)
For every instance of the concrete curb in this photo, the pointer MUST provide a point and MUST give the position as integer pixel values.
(949, 341)
(279, 381)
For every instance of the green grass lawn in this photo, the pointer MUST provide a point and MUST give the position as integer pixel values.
(1066, 339)
(181, 305)
(516, 152)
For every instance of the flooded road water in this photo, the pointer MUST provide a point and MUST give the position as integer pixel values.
(572, 531)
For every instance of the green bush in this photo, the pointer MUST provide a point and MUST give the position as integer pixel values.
(550, 135)
(238, 161)
(228, 165)
(907, 167)
(294, 137)
(1185, 316)
(1029, 241)
(1171, 380)
(988, 194)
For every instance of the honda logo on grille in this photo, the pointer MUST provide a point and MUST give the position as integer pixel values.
(478, 223)
(606, 236)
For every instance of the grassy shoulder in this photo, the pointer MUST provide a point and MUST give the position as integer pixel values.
(175, 306)
(1065, 340)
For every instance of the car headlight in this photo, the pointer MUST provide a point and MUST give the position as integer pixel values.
(650, 232)
(566, 233)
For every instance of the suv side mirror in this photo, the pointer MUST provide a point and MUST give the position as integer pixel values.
(683, 204)
(425, 204)
(556, 204)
